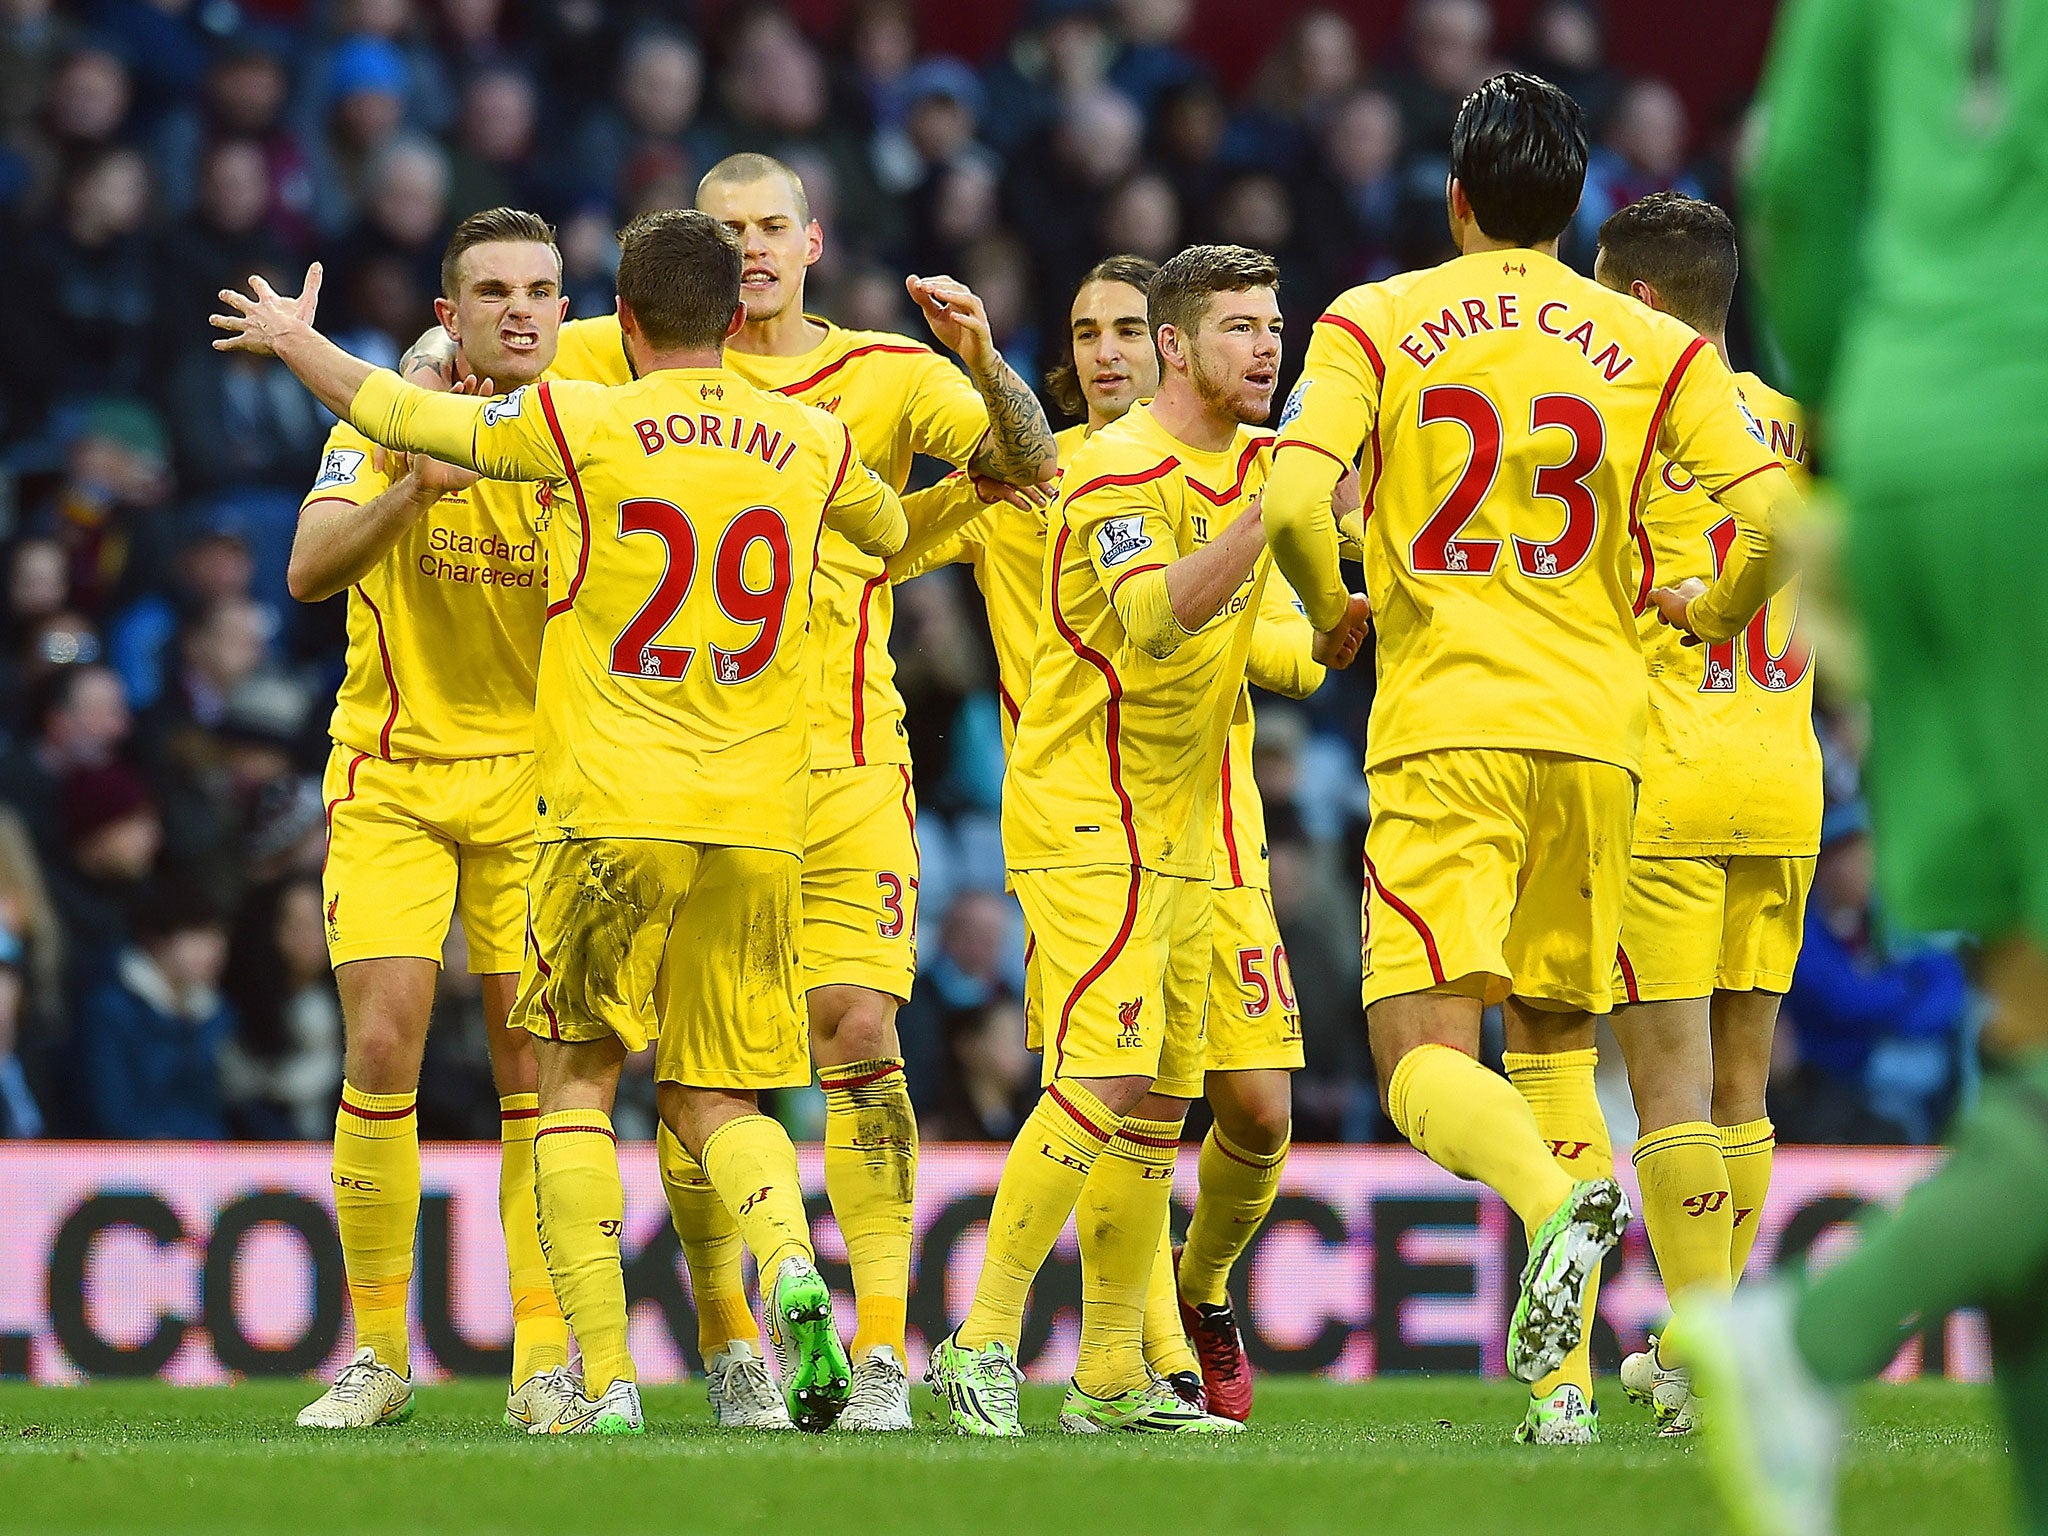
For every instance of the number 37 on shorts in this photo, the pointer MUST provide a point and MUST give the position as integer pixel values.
(860, 879)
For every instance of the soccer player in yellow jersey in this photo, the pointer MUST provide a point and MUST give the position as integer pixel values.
(430, 811)
(672, 763)
(898, 398)
(1727, 829)
(1151, 590)
(1254, 1033)
(1508, 410)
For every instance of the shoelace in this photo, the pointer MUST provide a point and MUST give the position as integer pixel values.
(353, 1382)
(1216, 1343)
(747, 1383)
(874, 1385)
(997, 1379)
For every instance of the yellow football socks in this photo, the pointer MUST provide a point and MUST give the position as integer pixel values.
(1560, 1091)
(540, 1338)
(377, 1209)
(1746, 1151)
(752, 1163)
(1470, 1121)
(1120, 1214)
(711, 1248)
(1236, 1191)
(1056, 1147)
(871, 1180)
(1167, 1349)
(1686, 1206)
(582, 1209)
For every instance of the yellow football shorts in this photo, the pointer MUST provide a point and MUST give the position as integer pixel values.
(860, 872)
(1492, 872)
(413, 842)
(1120, 972)
(1729, 921)
(691, 946)
(1254, 1021)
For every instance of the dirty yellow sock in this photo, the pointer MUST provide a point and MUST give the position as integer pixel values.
(1056, 1148)
(1121, 1213)
(1471, 1121)
(1167, 1349)
(1561, 1092)
(1746, 1152)
(540, 1336)
(711, 1248)
(377, 1211)
(752, 1164)
(582, 1209)
(1237, 1189)
(871, 1180)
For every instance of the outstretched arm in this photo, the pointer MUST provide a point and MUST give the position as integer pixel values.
(1019, 447)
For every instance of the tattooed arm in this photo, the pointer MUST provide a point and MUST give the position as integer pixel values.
(430, 361)
(1018, 449)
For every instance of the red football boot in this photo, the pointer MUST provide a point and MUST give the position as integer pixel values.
(1226, 1369)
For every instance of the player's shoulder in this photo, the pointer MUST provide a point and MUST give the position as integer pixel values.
(347, 464)
(1652, 333)
(878, 351)
(1067, 442)
(592, 349)
(1131, 451)
(1766, 401)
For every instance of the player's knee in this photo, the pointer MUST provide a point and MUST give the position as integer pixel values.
(853, 1024)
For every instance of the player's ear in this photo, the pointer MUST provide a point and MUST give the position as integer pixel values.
(739, 318)
(814, 242)
(444, 311)
(627, 323)
(1644, 294)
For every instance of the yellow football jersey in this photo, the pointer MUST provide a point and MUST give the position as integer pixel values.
(1282, 661)
(1509, 409)
(444, 634)
(898, 397)
(683, 530)
(1731, 764)
(1118, 755)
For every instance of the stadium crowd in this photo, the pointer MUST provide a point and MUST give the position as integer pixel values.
(163, 703)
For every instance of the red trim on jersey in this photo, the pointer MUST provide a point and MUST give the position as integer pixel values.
(1136, 570)
(1244, 464)
(547, 409)
(1095, 973)
(917, 849)
(1374, 484)
(894, 1068)
(378, 1114)
(829, 369)
(1635, 494)
(860, 671)
(1750, 475)
(335, 804)
(1114, 712)
(1009, 705)
(1053, 1091)
(1302, 442)
(1143, 477)
(1436, 965)
(390, 676)
(1628, 975)
(1356, 332)
(578, 1130)
(1230, 824)
(547, 973)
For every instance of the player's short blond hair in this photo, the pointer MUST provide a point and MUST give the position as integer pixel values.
(490, 227)
(736, 170)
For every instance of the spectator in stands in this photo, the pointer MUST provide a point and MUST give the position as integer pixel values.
(85, 113)
(78, 719)
(1150, 58)
(244, 99)
(38, 589)
(1642, 151)
(1567, 45)
(1880, 1019)
(1059, 188)
(969, 1027)
(1190, 126)
(1362, 217)
(365, 90)
(281, 1073)
(943, 107)
(212, 568)
(388, 267)
(33, 40)
(1059, 54)
(42, 1022)
(1450, 51)
(590, 260)
(21, 1117)
(652, 118)
(113, 833)
(151, 1032)
(225, 237)
(491, 165)
(1316, 64)
(110, 510)
(877, 47)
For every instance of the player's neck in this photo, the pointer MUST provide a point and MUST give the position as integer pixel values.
(1187, 418)
(1718, 340)
(1477, 242)
(789, 334)
(646, 360)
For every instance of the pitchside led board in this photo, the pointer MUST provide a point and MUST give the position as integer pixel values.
(205, 1263)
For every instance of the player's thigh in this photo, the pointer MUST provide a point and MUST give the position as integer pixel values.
(1673, 926)
(729, 992)
(1765, 923)
(599, 911)
(1103, 934)
(1189, 920)
(1254, 1019)
(1561, 943)
(1443, 860)
(495, 853)
(860, 870)
(388, 886)
(1957, 643)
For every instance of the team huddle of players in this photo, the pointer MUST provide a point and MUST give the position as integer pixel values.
(668, 793)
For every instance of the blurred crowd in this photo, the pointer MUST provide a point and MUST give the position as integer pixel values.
(163, 703)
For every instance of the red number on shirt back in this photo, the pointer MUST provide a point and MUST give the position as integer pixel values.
(634, 653)
(1774, 672)
(1437, 549)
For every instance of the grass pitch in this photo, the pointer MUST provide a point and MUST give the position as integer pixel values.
(1410, 1456)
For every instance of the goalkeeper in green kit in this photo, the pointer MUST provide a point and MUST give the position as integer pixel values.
(1898, 210)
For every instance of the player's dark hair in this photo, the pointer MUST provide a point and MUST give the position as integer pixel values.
(1519, 151)
(486, 228)
(748, 166)
(1684, 247)
(679, 272)
(1062, 382)
(1181, 290)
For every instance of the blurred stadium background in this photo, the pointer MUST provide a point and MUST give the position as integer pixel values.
(163, 702)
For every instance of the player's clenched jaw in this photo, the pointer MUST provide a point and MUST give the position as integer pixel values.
(778, 237)
(503, 302)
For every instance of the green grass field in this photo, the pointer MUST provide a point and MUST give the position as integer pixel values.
(1413, 1457)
